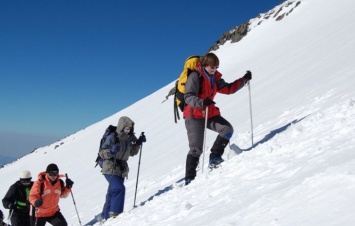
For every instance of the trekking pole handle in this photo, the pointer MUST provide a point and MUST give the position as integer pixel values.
(142, 134)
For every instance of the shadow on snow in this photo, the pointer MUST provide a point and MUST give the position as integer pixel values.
(267, 137)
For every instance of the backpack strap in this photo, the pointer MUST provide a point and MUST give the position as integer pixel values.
(42, 188)
(61, 184)
(42, 184)
(176, 110)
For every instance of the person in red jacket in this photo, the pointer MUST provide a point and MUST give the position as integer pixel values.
(45, 194)
(201, 87)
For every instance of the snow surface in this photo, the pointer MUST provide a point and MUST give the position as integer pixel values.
(301, 171)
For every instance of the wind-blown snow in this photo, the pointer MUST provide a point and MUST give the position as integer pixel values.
(302, 168)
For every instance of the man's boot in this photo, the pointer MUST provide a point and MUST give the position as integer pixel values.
(217, 151)
(191, 165)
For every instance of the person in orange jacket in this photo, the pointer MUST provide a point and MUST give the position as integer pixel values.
(45, 194)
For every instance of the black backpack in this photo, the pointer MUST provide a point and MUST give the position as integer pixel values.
(110, 129)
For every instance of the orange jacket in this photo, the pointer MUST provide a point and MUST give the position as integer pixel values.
(50, 196)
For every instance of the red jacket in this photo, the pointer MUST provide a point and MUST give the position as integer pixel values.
(195, 92)
(50, 196)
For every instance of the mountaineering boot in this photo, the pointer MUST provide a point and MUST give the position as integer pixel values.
(215, 162)
(188, 181)
(217, 151)
(100, 219)
(113, 215)
(191, 165)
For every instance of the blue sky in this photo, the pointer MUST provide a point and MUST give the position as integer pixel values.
(68, 64)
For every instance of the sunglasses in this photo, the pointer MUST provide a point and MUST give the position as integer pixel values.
(26, 181)
(53, 173)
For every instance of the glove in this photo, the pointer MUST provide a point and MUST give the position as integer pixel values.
(38, 202)
(141, 139)
(207, 102)
(11, 206)
(114, 149)
(69, 183)
(247, 77)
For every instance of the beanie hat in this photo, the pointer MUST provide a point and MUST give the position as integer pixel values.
(25, 174)
(52, 167)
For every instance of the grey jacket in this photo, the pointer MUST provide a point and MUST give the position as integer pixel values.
(117, 164)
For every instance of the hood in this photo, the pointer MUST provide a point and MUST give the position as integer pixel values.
(123, 122)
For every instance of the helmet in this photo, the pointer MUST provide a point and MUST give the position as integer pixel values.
(25, 174)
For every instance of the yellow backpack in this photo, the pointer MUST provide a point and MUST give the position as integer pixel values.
(179, 102)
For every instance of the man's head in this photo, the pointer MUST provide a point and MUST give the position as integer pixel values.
(52, 171)
(25, 177)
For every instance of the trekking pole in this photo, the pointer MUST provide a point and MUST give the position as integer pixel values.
(11, 211)
(71, 192)
(36, 220)
(139, 164)
(204, 139)
(251, 117)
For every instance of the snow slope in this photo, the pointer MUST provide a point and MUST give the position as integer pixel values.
(302, 168)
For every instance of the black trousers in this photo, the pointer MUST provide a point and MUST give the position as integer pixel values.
(20, 219)
(56, 220)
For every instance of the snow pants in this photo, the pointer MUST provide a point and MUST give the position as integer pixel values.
(115, 195)
(56, 220)
(20, 219)
(195, 131)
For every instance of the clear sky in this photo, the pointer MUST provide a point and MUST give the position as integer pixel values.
(66, 64)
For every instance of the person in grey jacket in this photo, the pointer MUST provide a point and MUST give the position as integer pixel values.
(115, 151)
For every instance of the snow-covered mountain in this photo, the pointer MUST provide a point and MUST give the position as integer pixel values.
(5, 159)
(302, 168)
